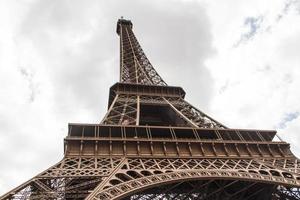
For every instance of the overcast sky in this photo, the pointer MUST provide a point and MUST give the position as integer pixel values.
(238, 61)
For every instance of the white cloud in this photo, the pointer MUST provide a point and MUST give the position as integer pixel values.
(256, 82)
(59, 58)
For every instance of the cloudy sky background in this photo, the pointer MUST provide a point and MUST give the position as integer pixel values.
(237, 60)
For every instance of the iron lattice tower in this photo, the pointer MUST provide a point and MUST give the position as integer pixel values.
(152, 144)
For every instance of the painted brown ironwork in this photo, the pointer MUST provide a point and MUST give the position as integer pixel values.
(135, 66)
(153, 144)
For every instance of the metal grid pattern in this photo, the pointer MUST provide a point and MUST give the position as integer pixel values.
(135, 66)
(124, 110)
(137, 174)
(115, 177)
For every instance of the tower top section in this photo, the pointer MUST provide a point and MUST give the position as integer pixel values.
(135, 68)
(123, 22)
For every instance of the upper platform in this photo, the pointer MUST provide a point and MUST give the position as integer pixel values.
(146, 90)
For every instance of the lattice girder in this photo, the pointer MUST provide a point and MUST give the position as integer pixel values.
(137, 174)
(135, 66)
(73, 178)
(137, 185)
(125, 110)
(116, 177)
(54, 188)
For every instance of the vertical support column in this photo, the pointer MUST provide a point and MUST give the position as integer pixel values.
(121, 54)
(110, 108)
(137, 110)
(134, 58)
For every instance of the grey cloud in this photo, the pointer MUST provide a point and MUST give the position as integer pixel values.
(288, 78)
(77, 72)
(288, 4)
(288, 117)
(175, 40)
(32, 86)
(264, 69)
(290, 47)
(253, 24)
(224, 87)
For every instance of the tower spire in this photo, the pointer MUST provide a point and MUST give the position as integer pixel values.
(134, 65)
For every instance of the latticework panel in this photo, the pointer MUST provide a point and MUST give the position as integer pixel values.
(135, 66)
(55, 188)
(123, 111)
(192, 114)
(72, 178)
(137, 175)
(290, 164)
(191, 164)
(82, 166)
(114, 178)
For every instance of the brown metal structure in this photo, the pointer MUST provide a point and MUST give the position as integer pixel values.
(152, 144)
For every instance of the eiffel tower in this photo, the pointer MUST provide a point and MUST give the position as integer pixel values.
(152, 144)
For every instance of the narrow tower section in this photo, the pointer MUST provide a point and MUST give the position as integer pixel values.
(134, 64)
